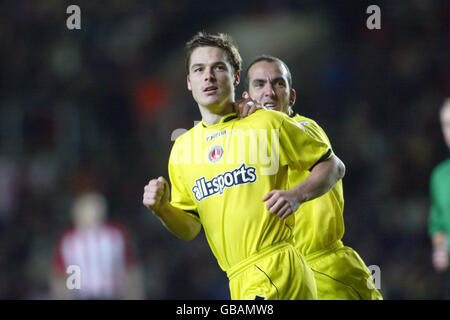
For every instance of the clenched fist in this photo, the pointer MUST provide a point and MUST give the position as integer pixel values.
(156, 194)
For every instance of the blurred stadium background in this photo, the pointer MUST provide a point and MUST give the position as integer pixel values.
(95, 109)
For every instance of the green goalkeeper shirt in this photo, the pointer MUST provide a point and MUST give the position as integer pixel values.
(439, 219)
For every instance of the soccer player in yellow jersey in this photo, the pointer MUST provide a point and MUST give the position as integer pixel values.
(339, 271)
(229, 175)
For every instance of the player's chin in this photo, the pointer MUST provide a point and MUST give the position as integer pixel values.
(210, 100)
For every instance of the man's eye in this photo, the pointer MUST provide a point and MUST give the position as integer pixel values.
(220, 67)
(280, 83)
(197, 69)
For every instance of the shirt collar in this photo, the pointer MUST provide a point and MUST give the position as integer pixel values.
(224, 119)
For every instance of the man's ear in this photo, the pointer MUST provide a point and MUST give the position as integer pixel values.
(188, 83)
(292, 96)
(237, 78)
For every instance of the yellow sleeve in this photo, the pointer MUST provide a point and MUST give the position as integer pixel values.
(303, 144)
(180, 196)
(312, 128)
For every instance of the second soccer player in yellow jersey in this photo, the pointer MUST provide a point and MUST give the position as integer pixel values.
(339, 271)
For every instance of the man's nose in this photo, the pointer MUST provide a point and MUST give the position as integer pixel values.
(209, 74)
(269, 91)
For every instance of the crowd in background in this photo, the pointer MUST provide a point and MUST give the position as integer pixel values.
(94, 109)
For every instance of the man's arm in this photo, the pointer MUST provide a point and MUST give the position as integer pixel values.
(180, 223)
(322, 178)
(440, 252)
(436, 227)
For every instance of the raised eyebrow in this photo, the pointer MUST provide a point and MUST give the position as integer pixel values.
(197, 65)
(202, 64)
(219, 63)
(278, 79)
(255, 81)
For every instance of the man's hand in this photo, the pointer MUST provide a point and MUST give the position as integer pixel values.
(440, 259)
(156, 194)
(156, 198)
(282, 203)
(245, 106)
(440, 252)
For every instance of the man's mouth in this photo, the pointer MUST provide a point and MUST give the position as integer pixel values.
(210, 89)
(270, 105)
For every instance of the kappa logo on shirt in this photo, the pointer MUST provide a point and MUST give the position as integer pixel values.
(302, 125)
(216, 135)
(229, 179)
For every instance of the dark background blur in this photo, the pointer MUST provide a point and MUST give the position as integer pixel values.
(95, 109)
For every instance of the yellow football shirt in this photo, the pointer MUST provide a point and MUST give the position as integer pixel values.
(319, 222)
(220, 174)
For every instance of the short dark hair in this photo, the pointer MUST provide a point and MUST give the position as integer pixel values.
(219, 40)
(268, 58)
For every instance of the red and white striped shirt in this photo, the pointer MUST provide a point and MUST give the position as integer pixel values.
(103, 254)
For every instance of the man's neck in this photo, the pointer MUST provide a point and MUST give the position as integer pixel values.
(213, 114)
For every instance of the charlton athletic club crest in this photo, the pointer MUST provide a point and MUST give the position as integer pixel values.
(215, 154)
